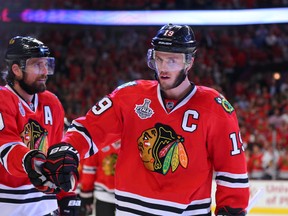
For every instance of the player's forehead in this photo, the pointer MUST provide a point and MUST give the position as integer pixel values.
(167, 55)
(36, 60)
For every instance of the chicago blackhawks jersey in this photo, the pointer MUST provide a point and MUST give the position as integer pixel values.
(24, 127)
(98, 173)
(169, 149)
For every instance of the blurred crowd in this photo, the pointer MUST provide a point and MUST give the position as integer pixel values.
(144, 4)
(247, 64)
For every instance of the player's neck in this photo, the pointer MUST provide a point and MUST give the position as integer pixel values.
(179, 92)
(27, 97)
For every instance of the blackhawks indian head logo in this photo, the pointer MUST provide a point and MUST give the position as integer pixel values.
(162, 149)
(109, 163)
(34, 136)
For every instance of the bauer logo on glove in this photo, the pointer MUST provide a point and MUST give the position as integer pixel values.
(63, 148)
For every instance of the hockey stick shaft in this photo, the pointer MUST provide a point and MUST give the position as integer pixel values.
(254, 199)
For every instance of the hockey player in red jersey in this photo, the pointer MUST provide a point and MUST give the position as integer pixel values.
(174, 135)
(97, 178)
(31, 119)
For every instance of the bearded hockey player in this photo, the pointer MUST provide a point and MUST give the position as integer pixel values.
(31, 120)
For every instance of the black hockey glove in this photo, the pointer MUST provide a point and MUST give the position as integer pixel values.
(87, 200)
(61, 166)
(32, 163)
(69, 206)
(227, 211)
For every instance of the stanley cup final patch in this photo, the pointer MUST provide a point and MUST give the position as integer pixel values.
(143, 110)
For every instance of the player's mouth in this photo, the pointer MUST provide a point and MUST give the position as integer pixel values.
(42, 80)
(164, 76)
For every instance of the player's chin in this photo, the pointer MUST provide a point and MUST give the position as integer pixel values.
(41, 87)
(165, 86)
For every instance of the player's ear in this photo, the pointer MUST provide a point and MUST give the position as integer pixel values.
(17, 70)
(190, 64)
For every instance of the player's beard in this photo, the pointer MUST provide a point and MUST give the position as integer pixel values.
(34, 87)
(179, 79)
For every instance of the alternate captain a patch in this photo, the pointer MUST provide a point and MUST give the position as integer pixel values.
(224, 103)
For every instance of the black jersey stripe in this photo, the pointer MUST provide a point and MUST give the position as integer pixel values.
(134, 211)
(162, 207)
(232, 180)
(86, 132)
(4, 152)
(28, 200)
(25, 191)
(138, 212)
(148, 205)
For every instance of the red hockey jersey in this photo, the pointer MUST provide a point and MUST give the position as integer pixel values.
(166, 160)
(98, 173)
(21, 127)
